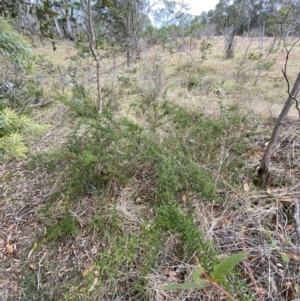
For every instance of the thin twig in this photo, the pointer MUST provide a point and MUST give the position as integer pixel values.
(284, 70)
(297, 217)
(218, 287)
(248, 267)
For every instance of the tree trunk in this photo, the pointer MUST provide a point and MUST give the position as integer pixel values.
(263, 171)
(128, 38)
(262, 38)
(230, 44)
(95, 55)
(69, 32)
(57, 27)
(31, 21)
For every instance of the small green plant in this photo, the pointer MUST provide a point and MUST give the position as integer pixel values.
(266, 64)
(205, 49)
(125, 81)
(169, 218)
(13, 130)
(254, 56)
(200, 279)
(64, 227)
(29, 287)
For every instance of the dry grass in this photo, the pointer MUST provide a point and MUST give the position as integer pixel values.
(67, 268)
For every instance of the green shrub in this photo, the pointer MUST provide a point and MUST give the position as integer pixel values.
(65, 226)
(14, 47)
(205, 49)
(166, 156)
(254, 56)
(267, 64)
(13, 131)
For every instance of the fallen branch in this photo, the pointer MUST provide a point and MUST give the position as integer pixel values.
(40, 104)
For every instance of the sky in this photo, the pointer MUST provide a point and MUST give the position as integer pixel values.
(197, 6)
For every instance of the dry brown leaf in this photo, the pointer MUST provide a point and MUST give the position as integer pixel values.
(93, 285)
(87, 270)
(261, 290)
(174, 279)
(138, 200)
(197, 261)
(172, 273)
(11, 228)
(94, 250)
(34, 224)
(224, 222)
(151, 214)
(246, 187)
(123, 287)
(31, 251)
(291, 227)
(168, 272)
(3, 284)
(33, 266)
(183, 198)
(281, 236)
(290, 256)
(9, 248)
(43, 239)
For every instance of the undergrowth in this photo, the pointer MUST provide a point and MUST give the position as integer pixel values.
(169, 155)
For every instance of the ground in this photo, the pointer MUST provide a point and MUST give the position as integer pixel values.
(123, 242)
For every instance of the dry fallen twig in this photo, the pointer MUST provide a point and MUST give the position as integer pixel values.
(248, 267)
(297, 217)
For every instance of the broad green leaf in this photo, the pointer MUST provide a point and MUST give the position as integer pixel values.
(196, 275)
(226, 265)
(186, 286)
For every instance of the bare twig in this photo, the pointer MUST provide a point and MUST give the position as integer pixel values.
(284, 70)
(248, 267)
(297, 217)
(219, 287)
(265, 58)
(244, 58)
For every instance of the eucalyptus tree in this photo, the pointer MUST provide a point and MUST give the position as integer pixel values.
(173, 24)
(125, 20)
